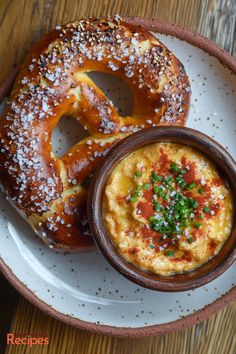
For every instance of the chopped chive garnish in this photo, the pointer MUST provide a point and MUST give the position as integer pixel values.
(174, 167)
(195, 204)
(183, 184)
(176, 215)
(133, 199)
(167, 197)
(159, 178)
(155, 177)
(179, 178)
(181, 181)
(159, 191)
(152, 219)
(137, 191)
(190, 186)
(138, 174)
(172, 218)
(170, 253)
(168, 180)
(156, 206)
(206, 209)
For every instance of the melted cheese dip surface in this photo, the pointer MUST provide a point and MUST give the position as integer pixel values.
(166, 208)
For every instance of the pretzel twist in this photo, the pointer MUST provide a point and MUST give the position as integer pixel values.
(48, 191)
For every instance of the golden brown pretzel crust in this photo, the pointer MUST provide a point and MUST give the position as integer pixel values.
(52, 82)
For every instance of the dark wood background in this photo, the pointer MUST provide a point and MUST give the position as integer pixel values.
(22, 22)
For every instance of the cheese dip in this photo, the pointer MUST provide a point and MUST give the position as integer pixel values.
(167, 209)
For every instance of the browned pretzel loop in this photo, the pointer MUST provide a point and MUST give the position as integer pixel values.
(48, 191)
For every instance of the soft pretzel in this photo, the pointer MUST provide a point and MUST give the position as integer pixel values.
(47, 191)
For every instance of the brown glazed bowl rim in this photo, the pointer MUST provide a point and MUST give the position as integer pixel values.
(191, 319)
(172, 283)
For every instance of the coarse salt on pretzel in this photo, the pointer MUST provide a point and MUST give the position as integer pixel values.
(49, 191)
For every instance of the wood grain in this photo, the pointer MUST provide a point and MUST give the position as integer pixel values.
(220, 23)
(21, 23)
(217, 335)
(8, 300)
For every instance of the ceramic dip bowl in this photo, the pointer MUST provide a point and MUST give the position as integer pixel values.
(188, 275)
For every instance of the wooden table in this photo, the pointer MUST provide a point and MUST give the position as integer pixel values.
(21, 23)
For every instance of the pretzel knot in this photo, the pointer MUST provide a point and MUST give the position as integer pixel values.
(47, 191)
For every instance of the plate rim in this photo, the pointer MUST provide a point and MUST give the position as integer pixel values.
(226, 59)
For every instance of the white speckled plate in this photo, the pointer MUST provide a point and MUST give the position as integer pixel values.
(82, 289)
